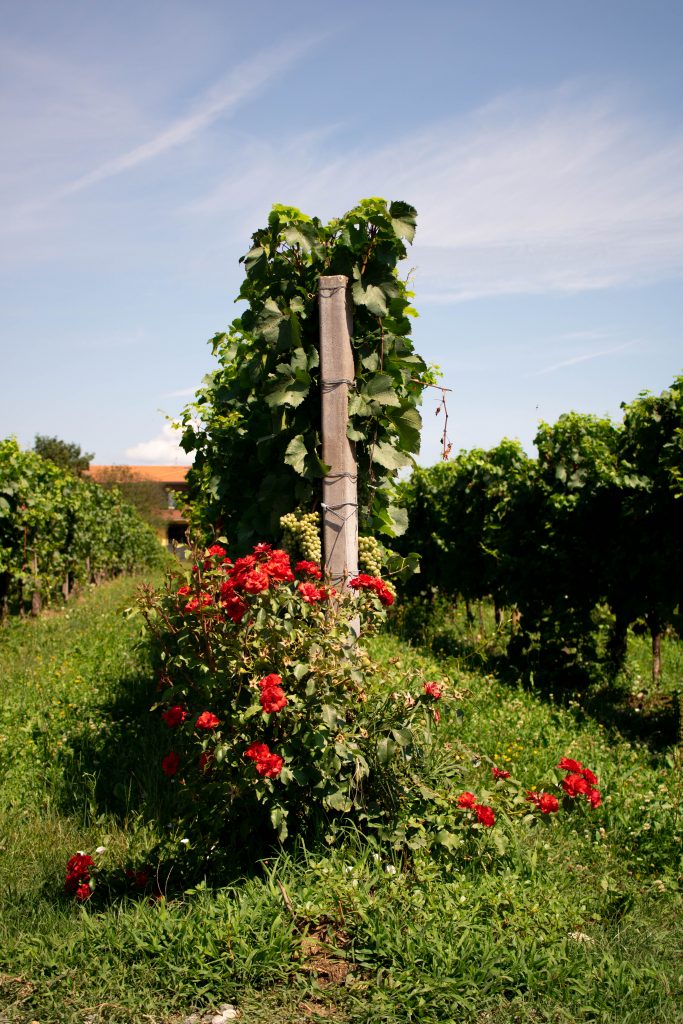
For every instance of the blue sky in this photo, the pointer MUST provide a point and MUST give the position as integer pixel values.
(143, 143)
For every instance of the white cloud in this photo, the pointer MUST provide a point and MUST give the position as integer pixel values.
(162, 450)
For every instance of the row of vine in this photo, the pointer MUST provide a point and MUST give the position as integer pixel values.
(58, 530)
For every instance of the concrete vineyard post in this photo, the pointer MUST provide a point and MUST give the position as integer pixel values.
(340, 490)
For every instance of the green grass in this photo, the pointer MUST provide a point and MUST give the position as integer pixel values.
(580, 921)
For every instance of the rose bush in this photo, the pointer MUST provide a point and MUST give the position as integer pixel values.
(263, 690)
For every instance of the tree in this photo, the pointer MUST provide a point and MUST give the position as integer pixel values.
(67, 456)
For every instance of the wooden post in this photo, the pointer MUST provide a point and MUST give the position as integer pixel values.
(337, 373)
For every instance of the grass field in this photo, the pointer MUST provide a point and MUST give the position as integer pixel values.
(579, 922)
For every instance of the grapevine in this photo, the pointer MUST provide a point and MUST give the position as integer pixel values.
(254, 428)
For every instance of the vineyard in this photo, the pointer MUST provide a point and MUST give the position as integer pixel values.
(59, 532)
(252, 788)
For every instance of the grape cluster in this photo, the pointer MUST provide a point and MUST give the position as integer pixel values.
(301, 535)
(370, 555)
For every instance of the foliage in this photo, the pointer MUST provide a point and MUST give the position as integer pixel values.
(66, 456)
(254, 428)
(57, 530)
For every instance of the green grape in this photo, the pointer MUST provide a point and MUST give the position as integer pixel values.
(301, 535)
(370, 555)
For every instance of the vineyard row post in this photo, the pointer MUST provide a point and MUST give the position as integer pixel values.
(340, 484)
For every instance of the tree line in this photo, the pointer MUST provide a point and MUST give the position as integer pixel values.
(579, 544)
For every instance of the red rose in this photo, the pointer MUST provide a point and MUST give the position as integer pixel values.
(244, 564)
(589, 776)
(170, 764)
(278, 567)
(256, 750)
(546, 802)
(270, 766)
(235, 608)
(198, 602)
(433, 689)
(270, 680)
(174, 716)
(485, 815)
(499, 773)
(207, 720)
(467, 800)
(575, 784)
(568, 764)
(310, 594)
(362, 582)
(309, 569)
(206, 759)
(255, 582)
(184, 591)
(594, 798)
(79, 865)
(83, 892)
(273, 699)
(216, 550)
(384, 594)
(262, 549)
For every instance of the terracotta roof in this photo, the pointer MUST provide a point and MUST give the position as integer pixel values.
(156, 474)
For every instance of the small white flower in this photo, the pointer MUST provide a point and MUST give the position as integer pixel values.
(185, 842)
(390, 869)
(100, 849)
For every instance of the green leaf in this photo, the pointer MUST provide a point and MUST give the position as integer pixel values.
(372, 297)
(386, 749)
(408, 424)
(295, 454)
(278, 819)
(338, 801)
(403, 220)
(381, 390)
(329, 716)
(399, 519)
(403, 737)
(447, 839)
(391, 458)
(286, 391)
(270, 321)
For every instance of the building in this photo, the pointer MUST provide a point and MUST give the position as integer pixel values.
(156, 492)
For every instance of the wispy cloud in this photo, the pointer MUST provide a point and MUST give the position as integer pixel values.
(573, 360)
(244, 82)
(534, 193)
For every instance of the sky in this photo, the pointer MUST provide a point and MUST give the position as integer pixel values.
(144, 142)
